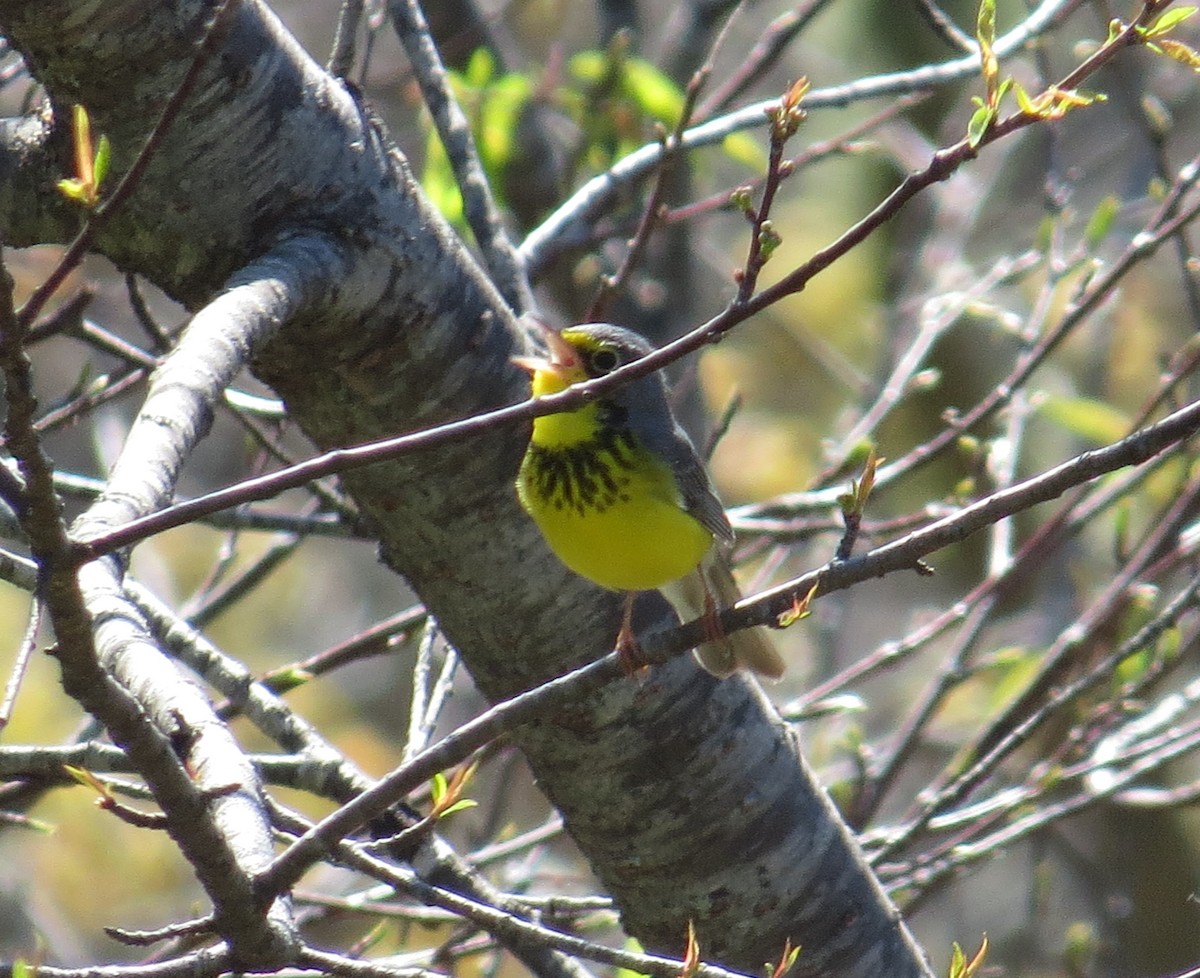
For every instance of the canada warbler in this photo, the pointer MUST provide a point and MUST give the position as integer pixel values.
(622, 498)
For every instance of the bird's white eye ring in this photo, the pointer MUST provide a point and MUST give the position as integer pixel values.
(604, 360)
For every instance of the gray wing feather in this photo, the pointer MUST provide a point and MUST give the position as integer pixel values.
(671, 442)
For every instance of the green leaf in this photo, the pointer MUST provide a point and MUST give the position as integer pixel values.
(481, 68)
(499, 122)
(1094, 421)
(458, 806)
(75, 190)
(786, 962)
(652, 91)
(635, 80)
(985, 22)
(23, 969)
(588, 66)
(1080, 945)
(437, 787)
(103, 160)
(495, 104)
(743, 148)
(289, 679)
(1101, 221)
(439, 184)
(981, 121)
(1121, 517)
(859, 452)
(1012, 668)
(958, 961)
(960, 967)
(1045, 234)
(985, 34)
(1168, 20)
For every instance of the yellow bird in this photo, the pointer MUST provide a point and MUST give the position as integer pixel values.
(621, 495)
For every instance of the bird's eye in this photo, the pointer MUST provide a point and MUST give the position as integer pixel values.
(604, 361)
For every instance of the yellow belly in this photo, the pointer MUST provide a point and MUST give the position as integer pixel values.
(632, 536)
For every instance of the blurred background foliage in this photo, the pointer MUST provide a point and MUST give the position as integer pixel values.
(1106, 893)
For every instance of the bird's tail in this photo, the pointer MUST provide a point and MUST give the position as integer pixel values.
(711, 587)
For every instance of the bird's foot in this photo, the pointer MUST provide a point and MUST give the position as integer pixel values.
(628, 651)
(714, 631)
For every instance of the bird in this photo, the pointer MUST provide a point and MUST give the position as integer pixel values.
(623, 499)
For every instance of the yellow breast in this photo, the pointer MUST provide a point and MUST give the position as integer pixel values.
(610, 510)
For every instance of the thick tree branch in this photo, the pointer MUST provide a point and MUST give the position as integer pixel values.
(210, 806)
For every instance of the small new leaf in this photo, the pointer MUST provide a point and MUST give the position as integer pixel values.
(447, 794)
(801, 608)
(786, 960)
(795, 93)
(985, 34)
(1101, 221)
(691, 954)
(1024, 102)
(786, 118)
(438, 788)
(74, 190)
(461, 805)
(1080, 945)
(84, 154)
(91, 163)
(89, 780)
(285, 680)
(958, 961)
(960, 967)
(854, 502)
(981, 121)
(102, 161)
(373, 937)
(1167, 21)
(1054, 102)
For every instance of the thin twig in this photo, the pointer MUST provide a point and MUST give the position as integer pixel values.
(483, 215)
(24, 654)
(945, 28)
(341, 58)
(765, 53)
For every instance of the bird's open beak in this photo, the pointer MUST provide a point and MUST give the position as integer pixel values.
(563, 357)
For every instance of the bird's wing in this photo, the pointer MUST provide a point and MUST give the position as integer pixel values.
(701, 499)
(646, 409)
(671, 443)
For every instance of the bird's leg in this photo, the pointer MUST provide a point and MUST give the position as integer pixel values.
(627, 647)
(711, 618)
